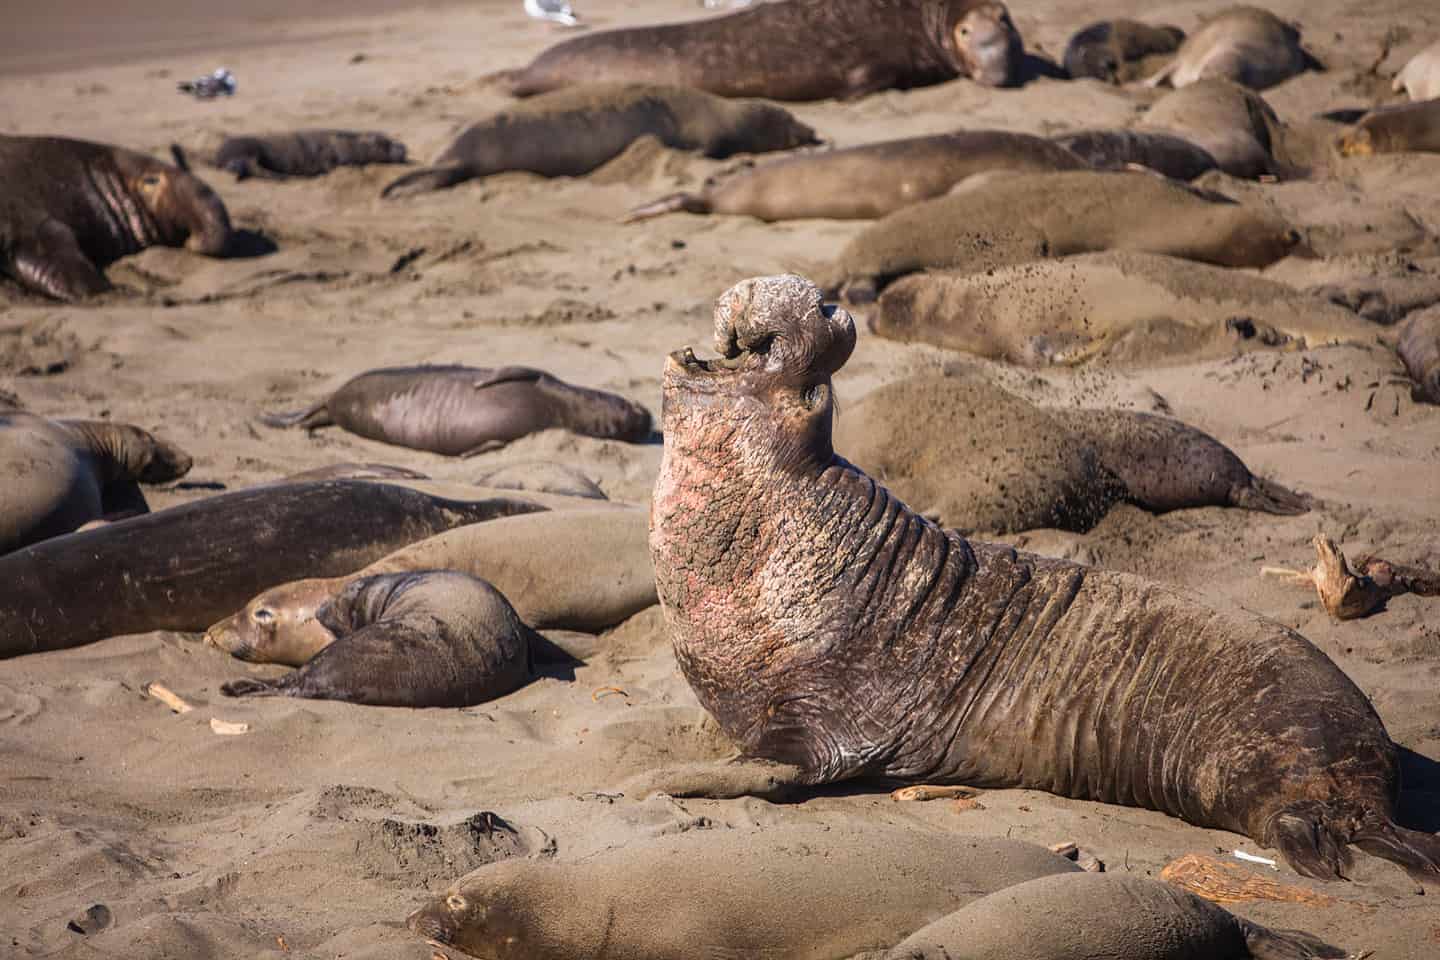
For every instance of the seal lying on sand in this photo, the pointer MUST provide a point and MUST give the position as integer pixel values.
(824, 891)
(461, 411)
(795, 50)
(62, 474)
(1248, 45)
(69, 208)
(1108, 50)
(545, 476)
(1090, 916)
(865, 182)
(305, 153)
(834, 634)
(1403, 128)
(1165, 153)
(1420, 77)
(1419, 349)
(571, 132)
(1034, 216)
(1046, 467)
(1232, 124)
(431, 639)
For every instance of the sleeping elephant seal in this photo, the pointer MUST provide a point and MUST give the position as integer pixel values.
(1165, 153)
(305, 153)
(62, 474)
(814, 890)
(1231, 123)
(1248, 45)
(795, 50)
(1419, 349)
(461, 411)
(1420, 77)
(866, 182)
(833, 633)
(1403, 128)
(1109, 50)
(545, 476)
(427, 639)
(69, 208)
(571, 132)
(1095, 916)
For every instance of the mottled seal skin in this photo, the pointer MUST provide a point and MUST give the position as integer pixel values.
(185, 567)
(866, 182)
(428, 639)
(1420, 77)
(795, 50)
(830, 630)
(69, 208)
(1115, 149)
(787, 892)
(1102, 916)
(571, 132)
(305, 153)
(1419, 349)
(1403, 128)
(461, 411)
(1231, 123)
(62, 474)
(1108, 50)
(1248, 45)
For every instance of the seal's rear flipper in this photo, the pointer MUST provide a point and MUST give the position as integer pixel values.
(1268, 497)
(675, 202)
(1268, 944)
(311, 418)
(252, 688)
(427, 179)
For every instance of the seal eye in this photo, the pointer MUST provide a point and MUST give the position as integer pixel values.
(456, 902)
(150, 180)
(263, 615)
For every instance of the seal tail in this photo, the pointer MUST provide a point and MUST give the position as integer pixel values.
(674, 203)
(1312, 837)
(1267, 944)
(250, 687)
(1266, 496)
(311, 418)
(425, 180)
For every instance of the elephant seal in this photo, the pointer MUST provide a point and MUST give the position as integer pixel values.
(1040, 215)
(1099, 916)
(425, 639)
(462, 411)
(1420, 77)
(792, 890)
(305, 153)
(866, 182)
(1046, 467)
(795, 50)
(1403, 128)
(69, 208)
(1248, 45)
(62, 474)
(1231, 123)
(1108, 50)
(832, 633)
(1419, 350)
(571, 132)
(1165, 153)
(545, 476)
(185, 567)
(356, 471)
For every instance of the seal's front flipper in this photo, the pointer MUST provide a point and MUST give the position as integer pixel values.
(1268, 497)
(311, 418)
(1312, 836)
(674, 203)
(252, 688)
(511, 375)
(427, 179)
(717, 781)
(1265, 944)
(52, 263)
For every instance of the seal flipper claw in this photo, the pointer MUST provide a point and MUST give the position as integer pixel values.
(426, 179)
(673, 203)
(250, 687)
(311, 418)
(1269, 497)
(1310, 845)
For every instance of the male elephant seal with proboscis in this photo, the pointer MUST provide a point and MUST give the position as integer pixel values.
(571, 132)
(1248, 45)
(69, 208)
(462, 411)
(795, 50)
(833, 633)
(1419, 349)
(1109, 50)
(305, 153)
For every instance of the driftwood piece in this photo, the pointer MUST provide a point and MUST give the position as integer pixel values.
(1349, 594)
(1222, 882)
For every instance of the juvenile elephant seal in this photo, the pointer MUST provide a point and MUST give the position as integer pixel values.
(866, 182)
(62, 474)
(1248, 45)
(1234, 125)
(802, 892)
(1420, 77)
(1403, 128)
(571, 132)
(546, 476)
(1040, 215)
(1095, 916)
(833, 633)
(1175, 157)
(69, 208)
(795, 50)
(461, 411)
(1108, 50)
(1419, 349)
(428, 639)
(305, 153)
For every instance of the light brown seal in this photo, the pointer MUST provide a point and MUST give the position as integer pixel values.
(1234, 125)
(1248, 45)
(462, 411)
(1420, 77)
(795, 50)
(1403, 128)
(545, 476)
(69, 208)
(833, 633)
(1419, 349)
(305, 153)
(1109, 50)
(866, 182)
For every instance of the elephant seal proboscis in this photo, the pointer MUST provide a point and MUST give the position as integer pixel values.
(791, 891)
(62, 474)
(305, 153)
(1233, 124)
(1420, 77)
(187, 566)
(432, 638)
(571, 132)
(1419, 350)
(1248, 45)
(1115, 149)
(1041, 215)
(795, 50)
(1100, 916)
(833, 633)
(462, 411)
(69, 208)
(1403, 128)
(1109, 50)
(866, 182)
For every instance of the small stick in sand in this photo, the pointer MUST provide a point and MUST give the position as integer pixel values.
(599, 692)
(1349, 594)
(925, 791)
(167, 697)
(227, 728)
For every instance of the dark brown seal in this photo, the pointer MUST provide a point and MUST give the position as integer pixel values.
(1109, 50)
(461, 411)
(430, 639)
(832, 631)
(1402, 128)
(571, 132)
(1419, 349)
(1116, 149)
(869, 181)
(186, 567)
(795, 50)
(69, 208)
(305, 153)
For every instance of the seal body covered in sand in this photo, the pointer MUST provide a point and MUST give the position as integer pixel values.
(1248, 45)
(1231, 123)
(69, 208)
(833, 632)
(1419, 349)
(305, 153)
(1109, 50)
(1403, 128)
(795, 50)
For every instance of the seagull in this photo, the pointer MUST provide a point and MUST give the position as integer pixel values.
(557, 10)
